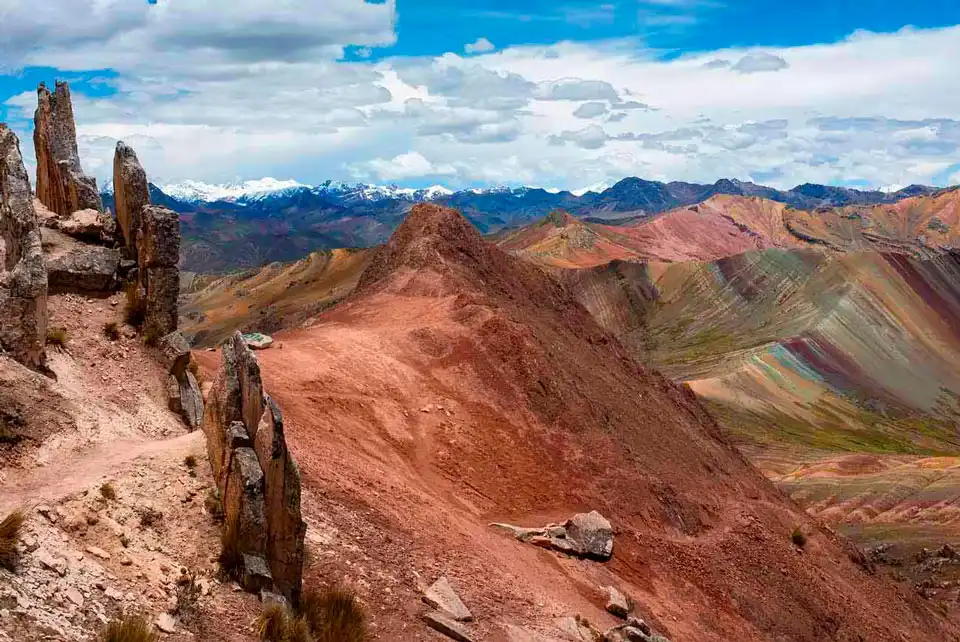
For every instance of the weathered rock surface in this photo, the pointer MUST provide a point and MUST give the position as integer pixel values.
(254, 471)
(174, 353)
(88, 268)
(158, 248)
(131, 193)
(447, 626)
(61, 184)
(86, 225)
(442, 597)
(617, 603)
(23, 276)
(587, 535)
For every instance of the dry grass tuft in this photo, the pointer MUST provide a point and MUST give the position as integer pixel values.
(131, 628)
(135, 308)
(10, 529)
(334, 615)
(108, 492)
(190, 461)
(277, 623)
(111, 330)
(57, 337)
(188, 600)
(231, 560)
(213, 505)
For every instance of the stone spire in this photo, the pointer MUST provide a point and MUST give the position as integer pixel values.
(61, 184)
(131, 194)
(23, 277)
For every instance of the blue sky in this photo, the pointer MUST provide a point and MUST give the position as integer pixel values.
(568, 95)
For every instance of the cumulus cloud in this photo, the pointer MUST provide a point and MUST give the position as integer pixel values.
(577, 89)
(278, 99)
(480, 45)
(758, 62)
(591, 110)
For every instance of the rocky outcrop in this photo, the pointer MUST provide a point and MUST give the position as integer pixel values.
(61, 184)
(255, 474)
(23, 277)
(89, 226)
(587, 535)
(183, 392)
(158, 250)
(131, 193)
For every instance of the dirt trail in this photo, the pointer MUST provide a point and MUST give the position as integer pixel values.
(65, 477)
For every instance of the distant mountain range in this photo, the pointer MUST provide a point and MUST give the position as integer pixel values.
(241, 225)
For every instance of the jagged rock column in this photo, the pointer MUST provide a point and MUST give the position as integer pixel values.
(255, 474)
(131, 194)
(61, 184)
(23, 277)
(158, 252)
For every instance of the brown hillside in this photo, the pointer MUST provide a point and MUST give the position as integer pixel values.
(459, 386)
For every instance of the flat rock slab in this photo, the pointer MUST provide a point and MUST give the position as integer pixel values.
(442, 597)
(74, 266)
(587, 535)
(257, 341)
(447, 626)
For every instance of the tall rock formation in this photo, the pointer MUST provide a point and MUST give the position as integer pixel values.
(61, 184)
(158, 251)
(255, 474)
(23, 277)
(131, 194)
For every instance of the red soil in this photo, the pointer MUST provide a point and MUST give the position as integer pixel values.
(461, 386)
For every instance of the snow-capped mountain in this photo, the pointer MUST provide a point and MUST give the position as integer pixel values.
(200, 192)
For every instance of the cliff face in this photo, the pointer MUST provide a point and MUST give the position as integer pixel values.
(61, 184)
(23, 277)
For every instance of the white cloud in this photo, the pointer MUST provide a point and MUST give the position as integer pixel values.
(480, 45)
(757, 62)
(273, 98)
(403, 166)
(591, 110)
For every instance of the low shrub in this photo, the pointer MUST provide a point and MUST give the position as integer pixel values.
(277, 623)
(130, 628)
(798, 538)
(188, 599)
(149, 516)
(230, 560)
(108, 492)
(190, 461)
(213, 505)
(57, 337)
(10, 529)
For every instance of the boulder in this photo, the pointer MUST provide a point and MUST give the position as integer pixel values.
(447, 626)
(174, 353)
(87, 268)
(166, 623)
(23, 274)
(592, 534)
(257, 341)
(617, 603)
(584, 535)
(86, 225)
(256, 576)
(442, 597)
(61, 184)
(191, 401)
(131, 193)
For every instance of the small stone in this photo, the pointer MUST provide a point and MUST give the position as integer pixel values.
(617, 603)
(637, 623)
(99, 552)
(166, 623)
(113, 594)
(447, 626)
(442, 597)
(50, 562)
(125, 561)
(74, 596)
(47, 512)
